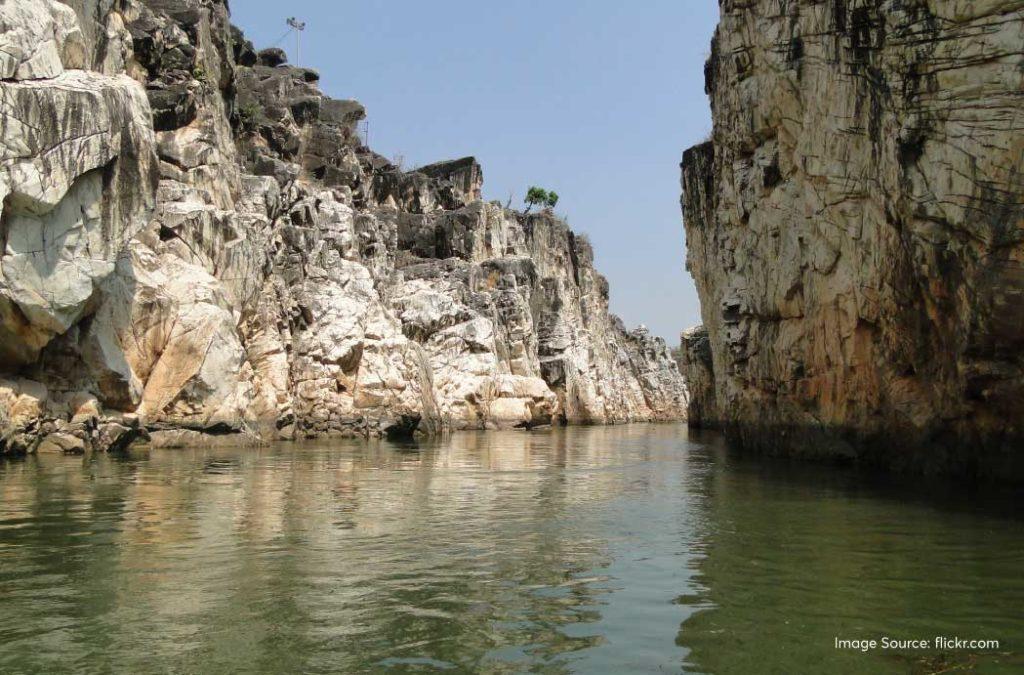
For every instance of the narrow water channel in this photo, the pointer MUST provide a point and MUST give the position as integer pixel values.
(594, 550)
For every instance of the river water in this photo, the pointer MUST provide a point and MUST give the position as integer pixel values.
(595, 550)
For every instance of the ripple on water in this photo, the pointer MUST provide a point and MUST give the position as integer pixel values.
(626, 549)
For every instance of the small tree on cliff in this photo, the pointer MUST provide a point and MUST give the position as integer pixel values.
(539, 196)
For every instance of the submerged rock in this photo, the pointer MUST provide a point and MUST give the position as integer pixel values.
(856, 231)
(63, 442)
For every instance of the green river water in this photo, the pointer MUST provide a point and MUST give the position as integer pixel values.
(629, 549)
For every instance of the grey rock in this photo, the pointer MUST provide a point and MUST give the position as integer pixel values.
(272, 57)
(699, 370)
(63, 442)
(173, 106)
(244, 52)
(116, 437)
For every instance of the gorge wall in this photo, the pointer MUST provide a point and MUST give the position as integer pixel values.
(855, 227)
(196, 243)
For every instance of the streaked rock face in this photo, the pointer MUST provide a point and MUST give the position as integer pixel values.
(856, 229)
(196, 242)
(77, 176)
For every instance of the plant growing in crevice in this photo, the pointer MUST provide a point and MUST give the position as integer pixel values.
(248, 116)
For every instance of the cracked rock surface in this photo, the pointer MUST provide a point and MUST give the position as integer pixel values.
(197, 247)
(855, 227)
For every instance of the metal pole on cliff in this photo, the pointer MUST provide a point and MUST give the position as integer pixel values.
(299, 26)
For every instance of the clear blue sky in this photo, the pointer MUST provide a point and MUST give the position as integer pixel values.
(592, 98)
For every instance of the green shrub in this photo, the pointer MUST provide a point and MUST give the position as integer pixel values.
(249, 115)
(539, 196)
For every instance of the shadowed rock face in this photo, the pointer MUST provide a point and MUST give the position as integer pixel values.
(198, 244)
(698, 367)
(856, 230)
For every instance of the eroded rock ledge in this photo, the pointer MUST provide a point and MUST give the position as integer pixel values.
(856, 231)
(198, 247)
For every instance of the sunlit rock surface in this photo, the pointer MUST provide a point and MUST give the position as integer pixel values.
(77, 177)
(197, 244)
(856, 230)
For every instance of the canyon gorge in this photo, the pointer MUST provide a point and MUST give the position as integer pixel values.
(199, 248)
(272, 402)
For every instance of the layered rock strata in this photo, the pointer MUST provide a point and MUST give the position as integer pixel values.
(197, 244)
(855, 228)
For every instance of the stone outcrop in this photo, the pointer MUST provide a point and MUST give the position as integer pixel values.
(77, 176)
(856, 231)
(697, 365)
(197, 246)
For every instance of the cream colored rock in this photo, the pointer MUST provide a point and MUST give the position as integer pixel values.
(75, 192)
(39, 39)
(84, 406)
(179, 336)
(105, 359)
(62, 442)
(856, 233)
(287, 282)
(517, 401)
(21, 402)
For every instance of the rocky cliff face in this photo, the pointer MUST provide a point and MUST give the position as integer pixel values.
(856, 230)
(195, 242)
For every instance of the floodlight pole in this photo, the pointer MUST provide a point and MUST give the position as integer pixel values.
(298, 26)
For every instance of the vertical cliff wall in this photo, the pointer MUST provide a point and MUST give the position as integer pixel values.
(855, 228)
(196, 243)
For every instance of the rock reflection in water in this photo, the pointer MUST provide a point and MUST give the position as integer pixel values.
(625, 549)
(484, 551)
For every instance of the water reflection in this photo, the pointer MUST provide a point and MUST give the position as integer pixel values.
(625, 549)
(799, 555)
(489, 551)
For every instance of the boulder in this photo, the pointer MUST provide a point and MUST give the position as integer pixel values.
(39, 39)
(116, 437)
(63, 442)
(272, 57)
